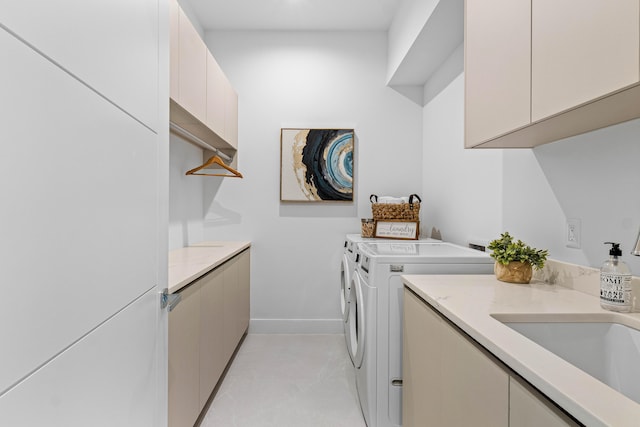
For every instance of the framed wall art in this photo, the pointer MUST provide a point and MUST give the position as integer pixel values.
(316, 165)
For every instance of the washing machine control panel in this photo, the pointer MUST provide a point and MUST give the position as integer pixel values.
(364, 263)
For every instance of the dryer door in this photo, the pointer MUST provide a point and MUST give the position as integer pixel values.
(345, 286)
(356, 324)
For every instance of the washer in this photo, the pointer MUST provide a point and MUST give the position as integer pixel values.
(350, 258)
(347, 266)
(375, 315)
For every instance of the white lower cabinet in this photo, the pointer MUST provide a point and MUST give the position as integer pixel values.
(449, 380)
(204, 331)
(421, 357)
(529, 408)
(184, 355)
(213, 357)
(474, 388)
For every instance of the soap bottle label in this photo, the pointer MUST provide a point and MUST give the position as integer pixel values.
(615, 289)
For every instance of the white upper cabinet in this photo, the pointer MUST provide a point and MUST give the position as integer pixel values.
(570, 66)
(498, 67)
(581, 51)
(222, 104)
(202, 99)
(192, 78)
(110, 46)
(216, 83)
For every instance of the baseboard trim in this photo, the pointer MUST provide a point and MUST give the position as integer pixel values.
(296, 326)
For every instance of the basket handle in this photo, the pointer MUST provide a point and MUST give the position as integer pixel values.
(411, 197)
(374, 199)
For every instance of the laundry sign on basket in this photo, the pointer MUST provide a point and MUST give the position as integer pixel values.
(397, 229)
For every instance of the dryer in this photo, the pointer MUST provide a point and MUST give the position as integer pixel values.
(375, 315)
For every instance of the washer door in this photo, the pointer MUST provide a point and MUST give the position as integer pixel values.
(345, 287)
(356, 335)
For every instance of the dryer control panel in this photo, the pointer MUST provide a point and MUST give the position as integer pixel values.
(364, 264)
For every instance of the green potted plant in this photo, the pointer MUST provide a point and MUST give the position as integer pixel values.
(515, 260)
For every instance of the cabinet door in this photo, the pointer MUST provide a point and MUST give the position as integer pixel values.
(447, 380)
(582, 50)
(193, 70)
(244, 292)
(475, 390)
(216, 87)
(421, 358)
(529, 408)
(212, 356)
(184, 363)
(230, 307)
(497, 68)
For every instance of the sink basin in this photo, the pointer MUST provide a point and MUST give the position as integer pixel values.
(608, 351)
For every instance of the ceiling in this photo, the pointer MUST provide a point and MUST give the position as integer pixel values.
(294, 15)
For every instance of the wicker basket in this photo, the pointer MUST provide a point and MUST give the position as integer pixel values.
(385, 211)
(368, 225)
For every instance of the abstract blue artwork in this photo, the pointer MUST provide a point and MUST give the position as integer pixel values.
(316, 165)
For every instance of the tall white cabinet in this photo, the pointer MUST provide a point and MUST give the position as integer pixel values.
(81, 326)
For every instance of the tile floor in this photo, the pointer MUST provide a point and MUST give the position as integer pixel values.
(288, 381)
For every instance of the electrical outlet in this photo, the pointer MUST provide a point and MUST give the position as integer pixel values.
(573, 233)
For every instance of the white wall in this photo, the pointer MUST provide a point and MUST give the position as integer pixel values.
(404, 29)
(185, 193)
(462, 188)
(531, 193)
(595, 178)
(309, 80)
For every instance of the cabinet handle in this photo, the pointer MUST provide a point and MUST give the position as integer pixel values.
(169, 301)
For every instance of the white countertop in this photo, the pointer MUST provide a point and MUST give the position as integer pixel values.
(469, 300)
(190, 263)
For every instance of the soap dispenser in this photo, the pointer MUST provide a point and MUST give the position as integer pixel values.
(615, 282)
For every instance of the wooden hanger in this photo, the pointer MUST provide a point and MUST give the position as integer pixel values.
(217, 161)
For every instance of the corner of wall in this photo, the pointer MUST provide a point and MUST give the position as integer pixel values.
(404, 29)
